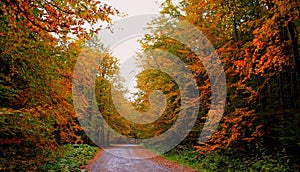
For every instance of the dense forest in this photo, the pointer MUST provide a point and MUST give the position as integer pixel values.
(257, 42)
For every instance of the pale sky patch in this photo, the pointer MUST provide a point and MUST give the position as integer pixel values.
(126, 50)
(131, 8)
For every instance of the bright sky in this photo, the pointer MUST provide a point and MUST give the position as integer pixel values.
(135, 7)
(131, 7)
(126, 50)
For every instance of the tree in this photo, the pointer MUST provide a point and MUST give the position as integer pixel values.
(35, 76)
(257, 44)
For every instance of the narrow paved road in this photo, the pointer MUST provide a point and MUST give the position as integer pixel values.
(110, 162)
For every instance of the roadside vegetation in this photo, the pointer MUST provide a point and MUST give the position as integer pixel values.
(71, 158)
(258, 44)
(229, 161)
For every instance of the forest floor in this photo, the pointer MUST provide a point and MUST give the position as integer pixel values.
(130, 158)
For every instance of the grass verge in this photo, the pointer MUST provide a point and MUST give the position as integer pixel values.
(223, 161)
(70, 157)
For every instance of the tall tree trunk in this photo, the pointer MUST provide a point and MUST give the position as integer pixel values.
(235, 30)
(293, 35)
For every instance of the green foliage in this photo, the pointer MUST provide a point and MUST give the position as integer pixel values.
(71, 157)
(226, 161)
(185, 156)
(24, 140)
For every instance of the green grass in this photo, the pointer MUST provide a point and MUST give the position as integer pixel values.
(225, 162)
(187, 157)
(70, 157)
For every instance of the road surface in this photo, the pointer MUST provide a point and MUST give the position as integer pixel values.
(129, 161)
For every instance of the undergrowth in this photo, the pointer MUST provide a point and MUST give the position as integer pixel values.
(70, 158)
(225, 161)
